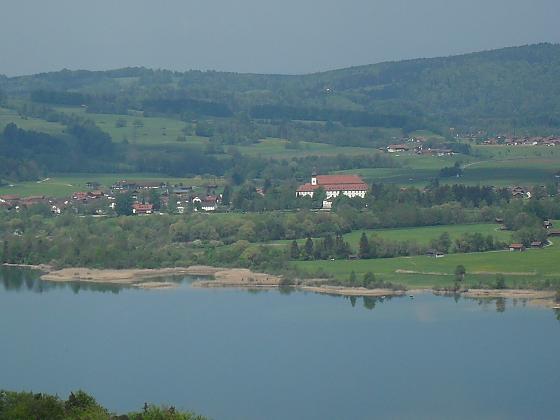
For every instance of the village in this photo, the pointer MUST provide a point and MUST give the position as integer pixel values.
(147, 197)
(150, 197)
(509, 140)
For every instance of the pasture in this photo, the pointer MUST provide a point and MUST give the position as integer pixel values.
(421, 235)
(63, 185)
(8, 116)
(137, 129)
(530, 268)
(499, 166)
(279, 149)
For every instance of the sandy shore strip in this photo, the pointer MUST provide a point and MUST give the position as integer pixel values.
(127, 276)
(245, 278)
(351, 291)
(543, 298)
(220, 277)
(239, 277)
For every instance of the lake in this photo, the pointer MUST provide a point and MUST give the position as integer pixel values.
(237, 354)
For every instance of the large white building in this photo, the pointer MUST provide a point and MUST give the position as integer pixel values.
(349, 185)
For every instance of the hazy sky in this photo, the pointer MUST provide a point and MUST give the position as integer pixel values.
(265, 36)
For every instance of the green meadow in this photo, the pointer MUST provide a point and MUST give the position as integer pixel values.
(278, 149)
(139, 129)
(63, 185)
(422, 235)
(499, 166)
(10, 116)
(530, 268)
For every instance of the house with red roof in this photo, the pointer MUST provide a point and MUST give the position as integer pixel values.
(351, 186)
(208, 203)
(140, 208)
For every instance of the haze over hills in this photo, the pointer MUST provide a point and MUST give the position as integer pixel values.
(501, 89)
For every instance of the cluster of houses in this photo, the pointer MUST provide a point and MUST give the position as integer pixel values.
(525, 192)
(416, 145)
(505, 140)
(15, 202)
(519, 247)
(181, 196)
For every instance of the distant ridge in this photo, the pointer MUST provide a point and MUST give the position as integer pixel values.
(508, 87)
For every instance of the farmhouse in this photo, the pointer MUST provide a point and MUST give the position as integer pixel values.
(334, 185)
(139, 208)
(208, 203)
(516, 247)
(518, 192)
(80, 196)
(434, 253)
(395, 148)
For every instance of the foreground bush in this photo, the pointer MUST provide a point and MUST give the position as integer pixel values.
(79, 405)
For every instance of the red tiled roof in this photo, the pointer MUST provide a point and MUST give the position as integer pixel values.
(9, 197)
(142, 207)
(336, 183)
(211, 199)
(516, 246)
(333, 187)
(339, 179)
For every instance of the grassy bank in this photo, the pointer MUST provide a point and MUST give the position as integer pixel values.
(533, 268)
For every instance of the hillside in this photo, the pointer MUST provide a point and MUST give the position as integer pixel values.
(497, 90)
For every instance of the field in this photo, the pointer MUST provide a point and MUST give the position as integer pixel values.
(8, 116)
(527, 171)
(422, 235)
(138, 129)
(414, 170)
(499, 166)
(528, 268)
(276, 148)
(63, 185)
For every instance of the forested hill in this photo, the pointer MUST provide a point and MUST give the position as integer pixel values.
(514, 87)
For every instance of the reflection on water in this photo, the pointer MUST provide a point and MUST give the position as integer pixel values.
(15, 279)
(276, 354)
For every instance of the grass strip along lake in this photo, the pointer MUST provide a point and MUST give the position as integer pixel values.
(275, 353)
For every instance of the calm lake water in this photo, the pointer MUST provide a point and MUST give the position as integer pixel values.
(234, 354)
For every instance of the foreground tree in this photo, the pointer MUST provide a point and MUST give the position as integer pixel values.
(294, 250)
(460, 272)
(364, 246)
(123, 204)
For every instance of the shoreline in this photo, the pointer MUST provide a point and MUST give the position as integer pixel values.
(247, 279)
